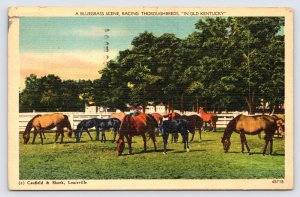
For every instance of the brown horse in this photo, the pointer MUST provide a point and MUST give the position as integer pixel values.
(139, 124)
(194, 122)
(209, 118)
(250, 125)
(40, 123)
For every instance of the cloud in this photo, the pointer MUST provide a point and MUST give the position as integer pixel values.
(67, 65)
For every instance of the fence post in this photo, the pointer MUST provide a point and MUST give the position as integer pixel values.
(71, 119)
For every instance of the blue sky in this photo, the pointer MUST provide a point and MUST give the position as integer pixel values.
(54, 34)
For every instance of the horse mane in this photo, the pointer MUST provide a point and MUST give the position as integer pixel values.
(29, 124)
(231, 124)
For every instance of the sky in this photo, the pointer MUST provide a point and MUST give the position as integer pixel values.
(73, 47)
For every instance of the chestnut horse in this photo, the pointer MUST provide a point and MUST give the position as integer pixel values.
(250, 125)
(194, 122)
(120, 116)
(139, 124)
(40, 123)
(209, 118)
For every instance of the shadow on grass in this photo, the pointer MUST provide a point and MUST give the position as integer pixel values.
(201, 141)
(145, 152)
(183, 151)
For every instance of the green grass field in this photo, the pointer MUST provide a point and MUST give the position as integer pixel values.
(96, 160)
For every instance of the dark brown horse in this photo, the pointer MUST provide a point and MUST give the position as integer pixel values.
(209, 118)
(133, 125)
(250, 125)
(40, 123)
(194, 122)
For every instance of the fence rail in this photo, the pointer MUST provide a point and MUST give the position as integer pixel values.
(76, 117)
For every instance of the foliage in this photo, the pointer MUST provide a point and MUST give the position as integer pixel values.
(50, 93)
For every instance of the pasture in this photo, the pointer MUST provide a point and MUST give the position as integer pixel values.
(97, 160)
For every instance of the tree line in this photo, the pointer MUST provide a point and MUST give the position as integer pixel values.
(227, 63)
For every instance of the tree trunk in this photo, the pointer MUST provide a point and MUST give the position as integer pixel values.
(172, 105)
(144, 108)
(181, 103)
(251, 104)
(197, 104)
(154, 108)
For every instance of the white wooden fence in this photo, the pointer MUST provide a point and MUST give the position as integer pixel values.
(76, 117)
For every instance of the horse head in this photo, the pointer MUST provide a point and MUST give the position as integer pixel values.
(120, 146)
(226, 143)
(26, 137)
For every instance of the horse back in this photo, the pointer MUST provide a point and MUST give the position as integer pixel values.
(49, 121)
(255, 124)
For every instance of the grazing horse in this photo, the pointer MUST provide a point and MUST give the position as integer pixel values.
(250, 125)
(159, 119)
(120, 116)
(175, 126)
(100, 125)
(40, 123)
(209, 118)
(194, 122)
(139, 124)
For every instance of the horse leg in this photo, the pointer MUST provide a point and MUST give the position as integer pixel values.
(266, 145)
(128, 138)
(185, 141)
(62, 135)
(242, 143)
(193, 134)
(103, 137)
(97, 133)
(44, 135)
(245, 142)
(165, 138)
(56, 135)
(34, 136)
(144, 139)
(41, 136)
(152, 136)
(271, 146)
(87, 130)
(200, 131)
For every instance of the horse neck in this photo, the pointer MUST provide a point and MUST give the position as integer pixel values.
(202, 112)
(227, 133)
(30, 125)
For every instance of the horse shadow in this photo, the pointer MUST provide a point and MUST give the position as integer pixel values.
(197, 142)
(256, 153)
(183, 151)
(147, 151)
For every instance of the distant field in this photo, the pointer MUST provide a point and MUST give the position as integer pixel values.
(96, 160)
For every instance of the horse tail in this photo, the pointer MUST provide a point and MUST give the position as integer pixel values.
(29, 127)
(68, 125)
(214, 118)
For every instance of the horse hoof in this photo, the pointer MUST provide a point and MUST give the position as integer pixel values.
(187, 150)
(250, 153)
(164, 153)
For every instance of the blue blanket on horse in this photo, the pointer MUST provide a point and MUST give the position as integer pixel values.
(100, 125)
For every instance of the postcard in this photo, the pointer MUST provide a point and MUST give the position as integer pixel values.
(150, 98)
